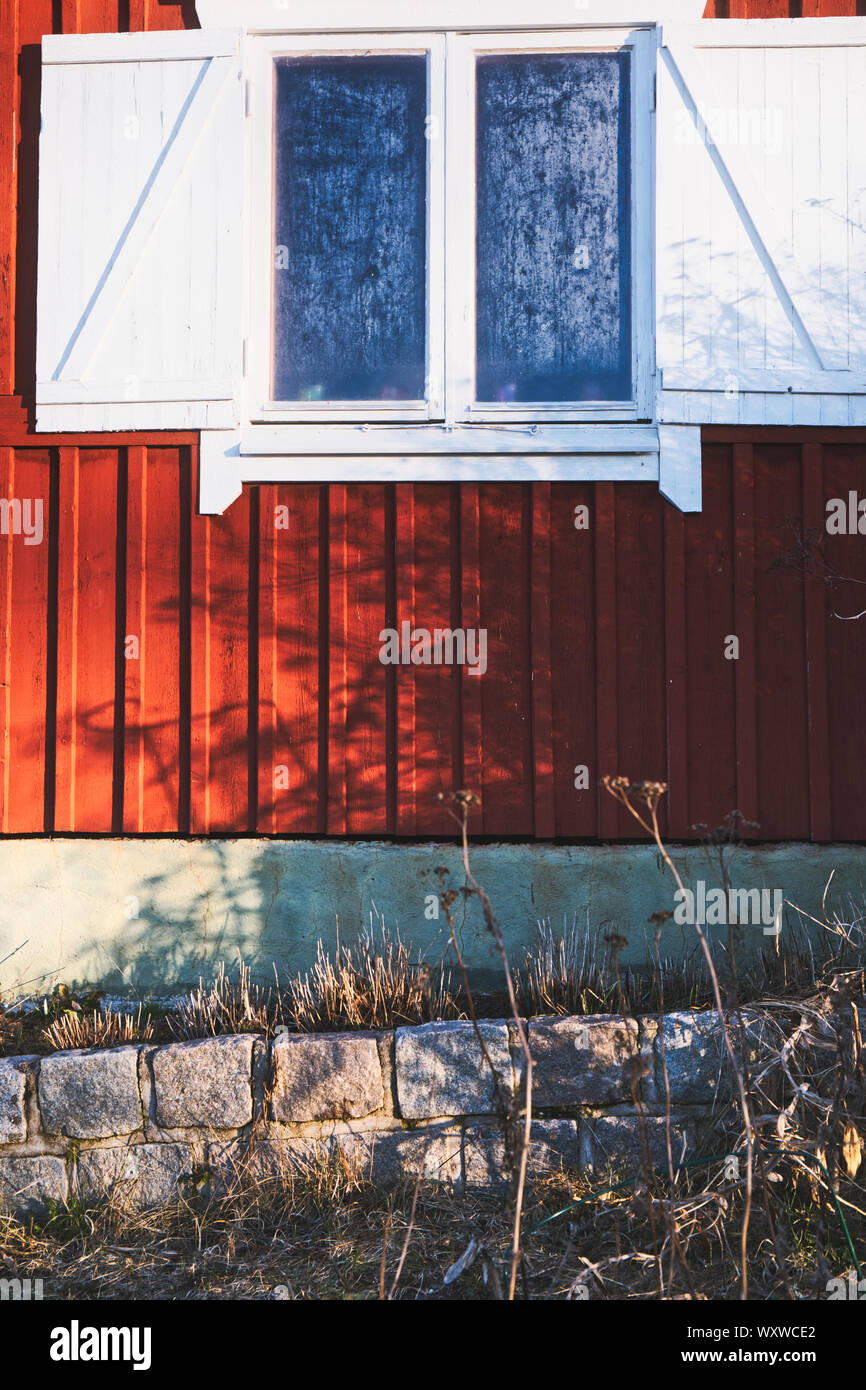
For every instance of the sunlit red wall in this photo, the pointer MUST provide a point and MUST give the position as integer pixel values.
(258, 703)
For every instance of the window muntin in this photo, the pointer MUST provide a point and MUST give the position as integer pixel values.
(553, 228)
(350, 281)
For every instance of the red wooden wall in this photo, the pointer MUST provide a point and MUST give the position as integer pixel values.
(257, 703)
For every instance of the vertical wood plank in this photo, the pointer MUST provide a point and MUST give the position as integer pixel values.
(407, 607)
(640, 604)
(220, 741)
(86, 640)
(367, 732)
(153, 618)
(24, 628)
(471, 616)
(335, 639)
(781, 653)
(843, 473)
(710, 547)
(432, 741)
(573, 657)
(542, 662)
(815, 595)
(135, 718)
(676, 672)
(607, 731)
(506, 687)
(827, 8)
(745, 629)
(145, 15)
(91, 16)
(289, 622)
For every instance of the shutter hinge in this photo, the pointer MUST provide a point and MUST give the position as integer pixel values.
(244, 358)
(248, 97)
(655, 90)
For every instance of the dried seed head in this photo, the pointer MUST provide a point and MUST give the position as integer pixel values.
(852, 1150)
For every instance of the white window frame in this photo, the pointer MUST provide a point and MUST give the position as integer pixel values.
(450, 420)
(262, 55)
(461, 132)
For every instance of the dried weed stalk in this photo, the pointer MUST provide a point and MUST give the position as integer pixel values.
(101, 1028)
(377, 982)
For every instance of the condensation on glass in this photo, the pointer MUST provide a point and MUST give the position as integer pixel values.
(350, 229)
(553, 284)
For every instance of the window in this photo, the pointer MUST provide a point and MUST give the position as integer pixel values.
(446, 231)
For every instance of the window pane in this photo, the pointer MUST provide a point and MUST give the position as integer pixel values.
(350, 232)
(553, 240)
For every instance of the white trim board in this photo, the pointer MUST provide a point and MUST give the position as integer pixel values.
(291, 441)
(223, 469)
(319, 16)
(193, 44)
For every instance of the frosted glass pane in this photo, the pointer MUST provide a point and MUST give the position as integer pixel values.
(553, 239)
(350, 230)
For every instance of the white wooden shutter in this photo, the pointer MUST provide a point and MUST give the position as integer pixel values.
(140, 232)
(761, 222)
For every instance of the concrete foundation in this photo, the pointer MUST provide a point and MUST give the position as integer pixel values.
(153, 915)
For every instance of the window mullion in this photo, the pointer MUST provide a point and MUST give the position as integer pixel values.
(459, 228)
(436, 119)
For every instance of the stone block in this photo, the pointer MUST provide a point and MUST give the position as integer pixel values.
(206, 1083)
(441, 1069)
(90, 1094)
(615, 1141)
(582, 1061)
(553, 1145)
(13, 1090)
(27, 1184)
(326, 1077)
(136, 1176)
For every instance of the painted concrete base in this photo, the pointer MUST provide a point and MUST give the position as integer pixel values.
(154, 915)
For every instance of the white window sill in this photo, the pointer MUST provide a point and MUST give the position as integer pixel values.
(669, 456)
(482, 439)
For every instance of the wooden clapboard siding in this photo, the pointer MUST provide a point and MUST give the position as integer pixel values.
(257, 702)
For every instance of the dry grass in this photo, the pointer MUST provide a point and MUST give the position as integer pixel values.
(377, 982)
(227, 1006)
(320, 1234)
(576, 971)
(102, 1028)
